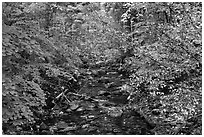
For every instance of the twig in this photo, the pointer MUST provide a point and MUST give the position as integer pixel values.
(66, 98)
(59, 95)
(62, 94)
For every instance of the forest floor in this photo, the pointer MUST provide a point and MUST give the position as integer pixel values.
(99, 107)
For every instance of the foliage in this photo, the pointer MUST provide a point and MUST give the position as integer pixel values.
(49, 48)
(26, 51)
(19, 98)
(167, 64)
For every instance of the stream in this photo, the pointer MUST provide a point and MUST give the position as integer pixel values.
(100, 107)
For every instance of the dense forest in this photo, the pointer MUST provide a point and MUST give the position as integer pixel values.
(102, 68)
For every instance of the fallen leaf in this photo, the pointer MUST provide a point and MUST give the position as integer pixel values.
(61, 125)
(69, 128)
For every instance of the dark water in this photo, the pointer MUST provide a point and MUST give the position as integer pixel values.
(102, 111)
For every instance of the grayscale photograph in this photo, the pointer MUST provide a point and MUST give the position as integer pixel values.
(101, 68)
